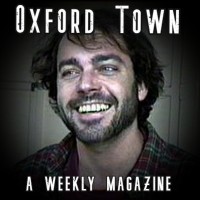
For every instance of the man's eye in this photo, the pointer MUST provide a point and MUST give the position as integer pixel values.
(70, 73)
(108, 69)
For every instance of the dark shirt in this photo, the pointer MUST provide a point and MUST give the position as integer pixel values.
(158, 159)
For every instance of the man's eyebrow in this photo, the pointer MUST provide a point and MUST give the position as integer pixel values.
(101, 58)
(70, 61)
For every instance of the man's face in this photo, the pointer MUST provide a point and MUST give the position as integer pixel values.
(96, 90)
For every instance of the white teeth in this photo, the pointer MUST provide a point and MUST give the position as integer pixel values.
(93, 108)
(80, 109)
(84, 108)
(98, 107)
(88, 108)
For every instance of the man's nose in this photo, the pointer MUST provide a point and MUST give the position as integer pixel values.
(88, 82)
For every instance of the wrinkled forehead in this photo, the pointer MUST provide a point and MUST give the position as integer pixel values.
(85, 48)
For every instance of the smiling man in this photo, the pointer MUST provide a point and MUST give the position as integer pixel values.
(97, 91)
(103, 86)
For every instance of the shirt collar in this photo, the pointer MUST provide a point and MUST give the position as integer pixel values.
(148, 161)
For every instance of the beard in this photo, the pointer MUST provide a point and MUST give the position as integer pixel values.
(95, 132)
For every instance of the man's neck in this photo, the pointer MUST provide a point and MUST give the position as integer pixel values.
(113, 158)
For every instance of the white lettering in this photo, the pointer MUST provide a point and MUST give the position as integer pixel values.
(110, 184)
(62, 21)
(75, 21)
(146, 184)
(60, 183)
(128, 183)
(168, 183)
(50, 183)
(29, 186)
(89, 21)
(155, 21)
(48, 20)
(20, 19)
(137, 184)
(91, 181)
(173, 22)
(75, 183)
(122, 8)
(34, 18)
(120, 184)
(137, 21)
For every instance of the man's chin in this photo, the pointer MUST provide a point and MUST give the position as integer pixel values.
(93, 133)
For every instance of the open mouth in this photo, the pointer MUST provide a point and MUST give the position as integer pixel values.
(93, 108)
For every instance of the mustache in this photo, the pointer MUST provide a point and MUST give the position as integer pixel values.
(95, 97)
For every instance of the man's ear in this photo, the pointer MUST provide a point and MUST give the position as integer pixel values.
(142, 91)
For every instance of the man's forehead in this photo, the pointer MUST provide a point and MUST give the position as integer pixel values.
(68, 49)
(71, 53)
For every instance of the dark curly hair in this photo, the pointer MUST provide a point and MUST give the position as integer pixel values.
(147, 68)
